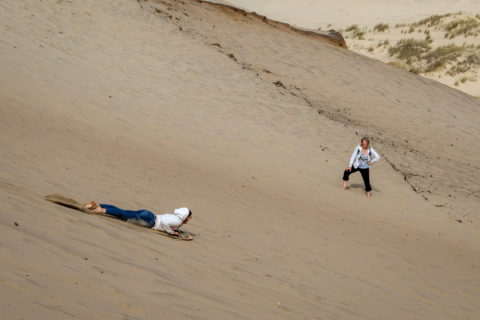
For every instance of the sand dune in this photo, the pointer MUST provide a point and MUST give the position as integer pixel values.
(118, 102)
(343, 13)
(401, 18)
(367, 95)
(450, 42)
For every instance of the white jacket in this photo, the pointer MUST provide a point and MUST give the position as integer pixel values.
(171, 221)
(357, 153)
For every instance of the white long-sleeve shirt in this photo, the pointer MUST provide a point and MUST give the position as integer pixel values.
(171, 221)
(357, 153)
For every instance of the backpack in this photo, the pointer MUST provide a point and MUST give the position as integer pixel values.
(357, 157)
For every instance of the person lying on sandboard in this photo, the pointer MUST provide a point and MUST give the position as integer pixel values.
(169, 223)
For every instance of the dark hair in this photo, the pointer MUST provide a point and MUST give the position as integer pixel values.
(189, 213)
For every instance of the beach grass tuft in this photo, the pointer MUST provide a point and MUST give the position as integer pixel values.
(438, 58)
(466, 27)
(430, 21)
(381, 27)
(408, 49)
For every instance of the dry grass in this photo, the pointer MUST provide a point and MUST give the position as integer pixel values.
(438, 58)
(355, 31)
(353, 27)
(431, 56)
(430, 21)
(470, 62)
(466, 27)
(381, 27)
(384, 43)
(409, 49)
(418, 57)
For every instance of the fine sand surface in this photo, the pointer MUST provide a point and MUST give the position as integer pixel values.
(159, 105)
(399, 16)
(342, 13)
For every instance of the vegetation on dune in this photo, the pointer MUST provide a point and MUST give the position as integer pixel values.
(353, 27)
(430, 21)
(417, 56)
(381, 27)
(420, 56)
(438, 58)
(466, 27)
(408, 49)
(470, 61)
(383, 43)
(359, 35)
(356, 32)
(428, 38)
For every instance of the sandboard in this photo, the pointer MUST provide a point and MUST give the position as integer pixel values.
(73, 204)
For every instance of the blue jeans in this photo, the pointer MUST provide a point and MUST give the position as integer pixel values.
(142, 217)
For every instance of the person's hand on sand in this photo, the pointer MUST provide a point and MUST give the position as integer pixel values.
(348, 168)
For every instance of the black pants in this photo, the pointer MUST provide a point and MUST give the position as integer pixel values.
(365, 176)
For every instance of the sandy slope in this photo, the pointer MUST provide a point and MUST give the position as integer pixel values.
(340, 15)
(108, 101)
(426, 131)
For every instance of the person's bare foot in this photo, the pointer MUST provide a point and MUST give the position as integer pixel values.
(94, 208)
(98, 210)
(345, 185)
(90, 205)
(369, 194)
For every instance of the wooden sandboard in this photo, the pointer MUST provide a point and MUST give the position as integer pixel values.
(73, 204)
(186, 236)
